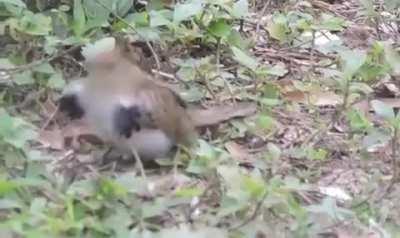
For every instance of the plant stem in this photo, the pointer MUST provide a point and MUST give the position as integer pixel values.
(133, 29)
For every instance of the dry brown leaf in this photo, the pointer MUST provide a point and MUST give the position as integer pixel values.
(78, 129)
(218, 114)
(48, 107)
(295, 96)
(326, 98)
(52, 139)
(349, 233)
(392, 88)
(316, 98)
(237, 151)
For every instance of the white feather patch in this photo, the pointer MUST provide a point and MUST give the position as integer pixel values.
(125, 101)
(74, 87)
(91, 51)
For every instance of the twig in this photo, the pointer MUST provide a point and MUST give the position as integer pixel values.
(262, 13)
(175, 168)
(139, 163)
(253, 216)
(33, 64)
(206, 83)
(169, 76)
(49, 119)
(133, 29)
(312, 56)
(394, 156)
(164, 74)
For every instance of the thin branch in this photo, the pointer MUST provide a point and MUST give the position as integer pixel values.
(133, 29)
(261, 15)
(36, 63)
(253, 215)
(139, 163)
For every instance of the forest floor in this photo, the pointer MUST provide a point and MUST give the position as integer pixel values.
(301, 136)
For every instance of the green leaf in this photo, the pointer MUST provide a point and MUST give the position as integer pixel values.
(79, 19)
(278, 70)
(24, 78)
(160, 18)
(18, 3)
(392, 57)
(56, 81)
(110, 188)
(278, 28)
(96, 15)
(352, 61)
(376, 138)
(205, 150)
(220, 28)
(185, 231)
(189, 192)
(274, 152)
(236, 39)
(316, 154)
(358, 122)
(14, 130)
(7, 186)
(265, 122)
(149, 33)
(44, 68)
(122, 7)
(392, 4)
(332, 23)
(139, 19)
(240, 9)
(186, 10)
(382, 109)
(33, 24)
(256, 187)
(6, 63)
(244, 59)
(9, 203)
(329, 207)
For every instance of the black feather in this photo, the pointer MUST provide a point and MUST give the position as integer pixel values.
(126, 120)
(70, 105)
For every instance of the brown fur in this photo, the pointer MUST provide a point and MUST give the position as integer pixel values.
(115, 73)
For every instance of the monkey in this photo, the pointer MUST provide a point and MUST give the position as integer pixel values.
(126, 107)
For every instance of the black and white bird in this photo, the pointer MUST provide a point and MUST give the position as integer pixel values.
(126, 107)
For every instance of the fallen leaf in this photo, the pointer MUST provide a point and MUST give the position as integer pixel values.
(295, 96)
(365, 106)
(79, 129)
(218, 114)
(237, 151)
(392, 88)
(316, 98)
(52, 139)
(336, 193)
(325, 98)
